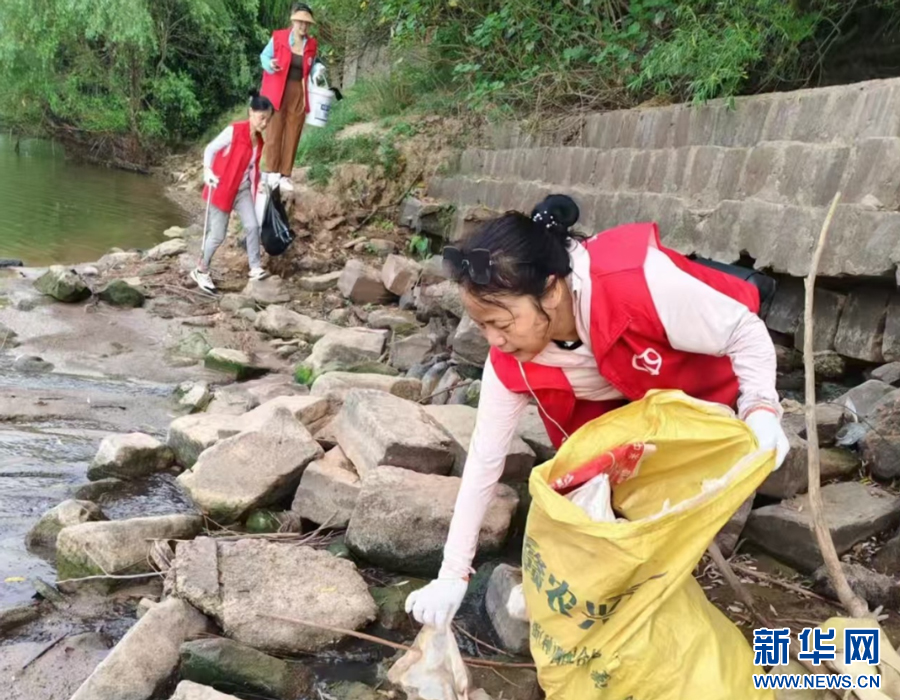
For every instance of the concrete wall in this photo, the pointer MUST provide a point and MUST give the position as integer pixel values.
(368, 60)
(721, 182)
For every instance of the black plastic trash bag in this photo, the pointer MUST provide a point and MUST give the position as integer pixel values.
(276, 235)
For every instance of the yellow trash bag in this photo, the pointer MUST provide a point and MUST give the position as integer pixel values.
(615, 611)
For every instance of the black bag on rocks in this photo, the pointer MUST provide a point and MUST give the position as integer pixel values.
(276, 235)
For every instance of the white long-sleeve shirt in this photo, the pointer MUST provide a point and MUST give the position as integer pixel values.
(696, 318)
(223, 141)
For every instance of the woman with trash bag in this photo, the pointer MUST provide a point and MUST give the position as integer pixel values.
(287, 61)
(231, 175)
(582, 327)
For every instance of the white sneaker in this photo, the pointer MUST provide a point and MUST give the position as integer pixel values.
(203, 280)
(258, 273)
(271, 179)
(285, 184)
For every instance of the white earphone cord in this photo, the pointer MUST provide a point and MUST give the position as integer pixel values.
(540, 407)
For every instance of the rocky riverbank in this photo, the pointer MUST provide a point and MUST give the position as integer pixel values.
(290, 453)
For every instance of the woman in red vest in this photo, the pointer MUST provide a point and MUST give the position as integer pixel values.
(287, 61)
(581, 327)
(231, 174)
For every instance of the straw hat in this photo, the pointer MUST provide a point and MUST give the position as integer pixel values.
(302, 16)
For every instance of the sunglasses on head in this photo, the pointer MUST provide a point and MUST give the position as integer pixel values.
(477, 263)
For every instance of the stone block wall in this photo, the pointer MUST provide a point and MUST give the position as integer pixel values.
(755, 180)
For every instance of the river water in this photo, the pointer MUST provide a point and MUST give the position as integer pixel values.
(53, 210)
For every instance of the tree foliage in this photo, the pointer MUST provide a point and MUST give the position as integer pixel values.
(152, 69)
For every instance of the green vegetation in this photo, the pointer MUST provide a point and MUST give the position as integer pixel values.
(126, 77)
(322, 148)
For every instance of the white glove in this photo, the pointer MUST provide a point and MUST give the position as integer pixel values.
(769, 433)
(437, 603)
(210, 178)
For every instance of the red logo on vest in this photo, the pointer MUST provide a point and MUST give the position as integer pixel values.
(649, 361)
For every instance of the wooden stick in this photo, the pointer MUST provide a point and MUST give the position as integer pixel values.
(783, 584)
(747, 598)
(393, 645)
(854, 605)
(43, 651)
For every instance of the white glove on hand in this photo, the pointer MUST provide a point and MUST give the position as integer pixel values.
(437, 603)
(769, 433)
(210, 178)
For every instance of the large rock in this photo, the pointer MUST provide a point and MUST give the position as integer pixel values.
(63, 284)
(413, 350)
(32, 364)
(860, 333)
(336, 385)
(513, 633)
(392, 319)
(727, 538)
(271, 290)
(887, 560)
(469, 344)
(347, 350)
(8, 337)
(837, 463)
(891, 346)
(189, 436)
(169, 249)
(118, 546)
(374, 428)
(402, 518)
(145, 659)
(116, 260)
(362, 284)
(226, 665)
(232, 400)
(280, 322)
(194, 346)
(244, 582)
(188, 690)
(889, 373)
(862, 400)
(828, 307)
(122, 293)
(459, 423)
(273, 386)
(308, 410)
(854, 512)
(793, 475)
(875, 588)
(328, 490)
(438, 299)
(222, 484)
(400, 274)
(532, 430)
(67, 514)
(236, 363)
(880, 446)
(786, 312)
(130, 456)
(320, 283)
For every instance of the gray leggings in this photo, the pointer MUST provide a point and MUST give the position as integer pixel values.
(218, 227)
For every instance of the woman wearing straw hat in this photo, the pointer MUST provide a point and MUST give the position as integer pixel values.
(287, 61)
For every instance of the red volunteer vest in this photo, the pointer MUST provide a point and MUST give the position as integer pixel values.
(628, 338)
(273, 84)
(230, 164)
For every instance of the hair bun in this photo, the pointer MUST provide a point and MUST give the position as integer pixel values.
(557, 212)
(253, 92)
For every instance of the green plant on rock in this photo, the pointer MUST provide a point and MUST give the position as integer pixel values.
(304, 375)
(419, 245)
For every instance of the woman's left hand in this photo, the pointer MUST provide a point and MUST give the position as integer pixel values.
(766, 425)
